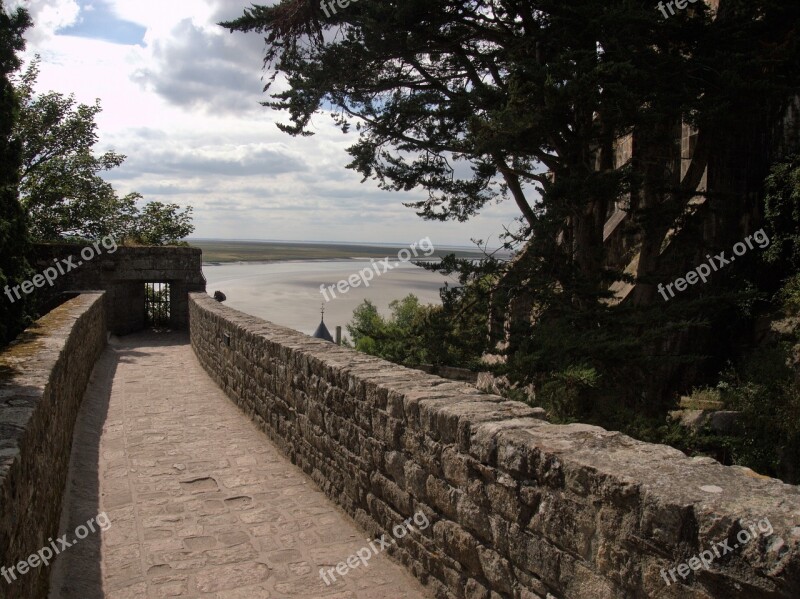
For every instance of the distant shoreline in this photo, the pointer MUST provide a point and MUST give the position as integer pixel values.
(218, 252)
(304, 260)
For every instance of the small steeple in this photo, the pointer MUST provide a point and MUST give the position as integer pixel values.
(322, 331)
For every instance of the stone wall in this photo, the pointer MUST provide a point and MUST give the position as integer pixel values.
(43, 376)
(122, 275)
(518, 507)
(450, 373)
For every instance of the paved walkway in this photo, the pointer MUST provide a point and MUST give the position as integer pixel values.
(200, 502)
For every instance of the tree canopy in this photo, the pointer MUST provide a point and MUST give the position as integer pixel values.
(61, 183)
(13, 231)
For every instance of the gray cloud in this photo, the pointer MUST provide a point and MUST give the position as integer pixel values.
(149, 134)
(169, 190)
(260, 161)
(216, 71)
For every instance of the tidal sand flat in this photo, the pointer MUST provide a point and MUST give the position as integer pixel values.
(288, 293)
(224, 251)
(280, 280)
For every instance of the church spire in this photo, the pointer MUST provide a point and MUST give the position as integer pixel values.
(322, 331)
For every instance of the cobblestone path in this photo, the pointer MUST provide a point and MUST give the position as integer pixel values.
(201, 503)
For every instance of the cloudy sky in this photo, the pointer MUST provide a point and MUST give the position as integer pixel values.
(180, 98)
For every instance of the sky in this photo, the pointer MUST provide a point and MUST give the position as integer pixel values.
(181, 99)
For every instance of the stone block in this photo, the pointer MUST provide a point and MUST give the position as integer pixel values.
(497, 570)
(459, 544)
(391, 493)
(456, 467)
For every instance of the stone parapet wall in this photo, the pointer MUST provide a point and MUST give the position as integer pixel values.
(518, 507)
(43, 376)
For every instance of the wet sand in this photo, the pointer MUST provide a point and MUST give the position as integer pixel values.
(288, 293)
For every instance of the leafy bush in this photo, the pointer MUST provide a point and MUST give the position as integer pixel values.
(563, 392)
(395, 338)
(789, 296)
(764, 388)
(782, 213)
(418, 334)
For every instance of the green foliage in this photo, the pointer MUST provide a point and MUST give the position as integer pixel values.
(61, 185)
(782, 213)
(695, 443)
(770, 440)
(626, 348)
(703, 398)
(474, 109)
(789, 296)
(392, 338)
(764, 385)
(13, 227)
(564, 392)
(160, 224)
(766, 392)
(417, 334)
(456, 334)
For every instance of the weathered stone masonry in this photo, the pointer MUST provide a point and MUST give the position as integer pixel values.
(43, 376)
(519, 507)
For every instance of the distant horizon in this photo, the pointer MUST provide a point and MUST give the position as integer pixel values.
(320, 242)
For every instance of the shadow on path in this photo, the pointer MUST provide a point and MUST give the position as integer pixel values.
(76, 573)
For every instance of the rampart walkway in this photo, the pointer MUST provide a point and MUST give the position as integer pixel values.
(201, 503)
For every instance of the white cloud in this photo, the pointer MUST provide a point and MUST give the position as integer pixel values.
(195, 67)
(48, 17)
(160, 16)
(184, 107)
